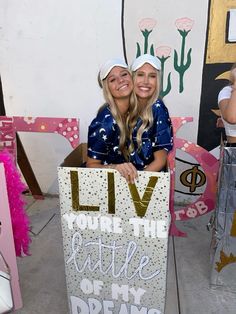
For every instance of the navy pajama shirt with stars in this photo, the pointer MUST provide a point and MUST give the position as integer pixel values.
(103, 139)
(158, 137)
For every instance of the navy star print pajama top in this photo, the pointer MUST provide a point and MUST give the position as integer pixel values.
(159, 136)
(103, 138)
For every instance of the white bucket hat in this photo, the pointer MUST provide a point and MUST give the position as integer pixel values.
(109, 65)
(141, 60)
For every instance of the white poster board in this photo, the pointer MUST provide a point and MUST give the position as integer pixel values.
(115, 240)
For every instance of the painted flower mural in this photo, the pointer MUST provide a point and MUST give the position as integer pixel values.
(184, 26)
(146, 26)
(163, 53)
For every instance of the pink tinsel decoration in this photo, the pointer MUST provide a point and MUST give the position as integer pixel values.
(20, 220)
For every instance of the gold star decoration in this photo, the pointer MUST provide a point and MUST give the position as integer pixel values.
(225, 260)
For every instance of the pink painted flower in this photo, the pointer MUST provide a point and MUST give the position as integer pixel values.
(29, 120)
(147, 24)
(184, 24)
(163, 51)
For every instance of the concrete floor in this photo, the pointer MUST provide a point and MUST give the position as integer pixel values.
(42, 275)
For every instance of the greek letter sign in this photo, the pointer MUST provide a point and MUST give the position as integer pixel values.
(115, 239)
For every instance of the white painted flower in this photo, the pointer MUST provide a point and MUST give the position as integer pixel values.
(163, 51)
(184, 24)
(29, 120)
(147, 24)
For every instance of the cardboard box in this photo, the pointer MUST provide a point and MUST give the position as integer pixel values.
(115, 238)
(77, 157)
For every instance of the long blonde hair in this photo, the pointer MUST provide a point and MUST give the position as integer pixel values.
(145, 113)
(121, 121)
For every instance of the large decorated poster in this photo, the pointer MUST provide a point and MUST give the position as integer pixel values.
(115, 240)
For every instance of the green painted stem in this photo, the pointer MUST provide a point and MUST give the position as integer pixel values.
(182, 50)
(146, 43)
(181, 82)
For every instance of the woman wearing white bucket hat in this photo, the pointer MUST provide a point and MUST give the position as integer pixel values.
(151, 132)
(107, 136)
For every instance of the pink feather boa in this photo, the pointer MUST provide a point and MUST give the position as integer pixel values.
(20, 220)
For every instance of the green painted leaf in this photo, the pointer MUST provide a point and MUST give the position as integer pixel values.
(188, 63)
(152, 50)
(176, 61)
(138, 51)
(168, 88)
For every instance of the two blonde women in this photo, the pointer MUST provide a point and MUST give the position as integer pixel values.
(132, 130)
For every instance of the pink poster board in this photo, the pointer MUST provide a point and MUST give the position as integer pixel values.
(206, 202)
(66, 127)
(6, 240)
(7, 134)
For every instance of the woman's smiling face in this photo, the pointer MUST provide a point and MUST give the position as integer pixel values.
(145, 82)
(120, 82)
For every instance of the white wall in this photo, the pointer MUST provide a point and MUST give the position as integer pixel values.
(166, 34)
(50, 53)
